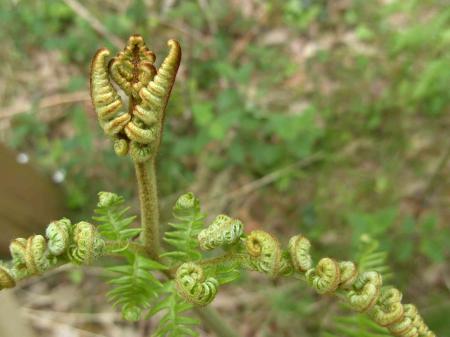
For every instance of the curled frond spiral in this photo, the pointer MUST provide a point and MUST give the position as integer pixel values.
(62, 242)
(222, 231)
(265, 252)
(133, 68)
(325, 277)
(145, 128)
(36, 259)
(299, 247)
(388, 309)
(419, 328)
(106, 100)
(348, 274)
(87, 245)
(138, 129)
(58, 234)
(365, 292)
(194, 286)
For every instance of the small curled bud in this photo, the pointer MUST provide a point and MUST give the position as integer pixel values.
(388, 309)
(403, 328)
(299, 247)
(223, 231)
(325, 277)
(366, 290)
(35, 256)
(121, 147)
(265, 252)
(349, 273)
(193, 286)
(131, 313)
(417, 321)
(107, 199)
(18, 248)
(186, 204)
(87, 244)
(58, 235)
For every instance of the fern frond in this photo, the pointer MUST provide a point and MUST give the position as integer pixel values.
(174, 322)
(189, 221)
(113, 222)
(370, 257)
(355, 326)
(134, 285)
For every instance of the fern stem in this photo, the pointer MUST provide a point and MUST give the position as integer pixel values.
(148, 198)
(212, 319)
(112, 246)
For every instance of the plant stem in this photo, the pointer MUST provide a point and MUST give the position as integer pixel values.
(148, 198)
(212, 319)
(135, 247)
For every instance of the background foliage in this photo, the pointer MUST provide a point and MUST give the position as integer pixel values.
(328, 118)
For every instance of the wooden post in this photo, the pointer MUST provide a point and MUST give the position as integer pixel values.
(28, 199)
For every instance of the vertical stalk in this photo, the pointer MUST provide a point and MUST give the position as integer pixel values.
(148, 198)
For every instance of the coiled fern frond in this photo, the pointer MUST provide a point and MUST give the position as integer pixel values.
(387, 316)
(194, 286)
(63, 243)
(136, 130)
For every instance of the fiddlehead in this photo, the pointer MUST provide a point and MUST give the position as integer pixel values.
(325, 277)
(133, 68)
(365, 292)
(194, 286)
(87, 245)
(36, 259)
(299, 247)
(106, 100)
(388, 309)
(223, 231)
(58, 234)
(145, 129)
(348, 274)
(137, 131)
(35, 255)
(264, 252)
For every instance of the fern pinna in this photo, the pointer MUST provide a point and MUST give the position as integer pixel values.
(187, 273)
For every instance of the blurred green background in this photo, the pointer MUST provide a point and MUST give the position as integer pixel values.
(328, 118)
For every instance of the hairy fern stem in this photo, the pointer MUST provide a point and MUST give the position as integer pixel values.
(148, 198)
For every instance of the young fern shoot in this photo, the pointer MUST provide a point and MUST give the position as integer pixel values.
(178, 277)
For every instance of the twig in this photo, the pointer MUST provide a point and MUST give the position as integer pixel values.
(48, 102)
(95, 23)
(267, 179)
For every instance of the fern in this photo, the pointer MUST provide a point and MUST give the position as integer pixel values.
(368, 257)
(183, 236)
(113, 222)
(134, 285)
(355, 326)
(174, 322)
